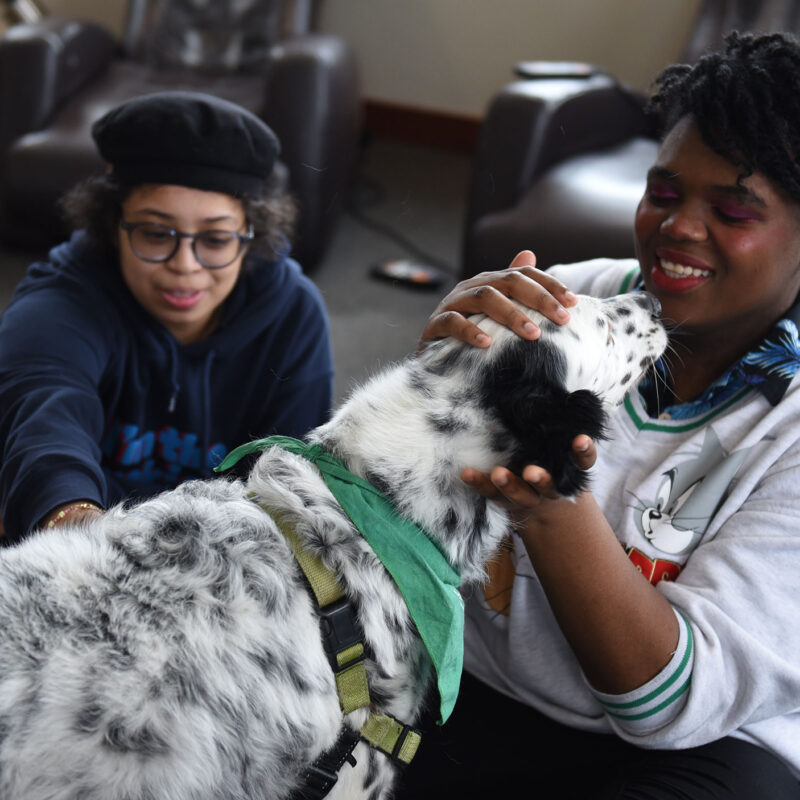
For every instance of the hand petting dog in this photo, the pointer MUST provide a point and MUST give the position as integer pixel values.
(493, 294)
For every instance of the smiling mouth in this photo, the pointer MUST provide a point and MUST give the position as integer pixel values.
(676, 278)
(677, 271)
(181, 299)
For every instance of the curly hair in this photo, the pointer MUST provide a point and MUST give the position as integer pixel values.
(95, 205)
(745, 100)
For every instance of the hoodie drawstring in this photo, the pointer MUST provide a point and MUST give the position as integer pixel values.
(176, 388)
(207, 402)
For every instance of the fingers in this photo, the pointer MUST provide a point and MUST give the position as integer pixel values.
(490, 293)
(524, 258)
(481, 482)
(533, 485)
(513, 491)
(442, 324)
(525, 283)
(535, 482)
(493, 293)
(584, 451)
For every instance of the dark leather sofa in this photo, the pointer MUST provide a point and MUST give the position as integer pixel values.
(564, 149)
(58, 75)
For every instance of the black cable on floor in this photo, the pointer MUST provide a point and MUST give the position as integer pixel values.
(354, 207)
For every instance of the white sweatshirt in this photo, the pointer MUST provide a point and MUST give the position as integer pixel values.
(711, 503)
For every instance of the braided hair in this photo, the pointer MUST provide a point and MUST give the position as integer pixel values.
(745, 101)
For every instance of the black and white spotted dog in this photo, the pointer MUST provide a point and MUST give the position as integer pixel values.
(171, 650)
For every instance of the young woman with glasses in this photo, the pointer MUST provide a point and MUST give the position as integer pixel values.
(171, 327)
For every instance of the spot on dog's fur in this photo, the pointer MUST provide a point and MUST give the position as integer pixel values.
(123, 737)
(445, 423)
(419, 383)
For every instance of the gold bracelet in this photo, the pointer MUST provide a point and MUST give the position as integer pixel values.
(72, 507)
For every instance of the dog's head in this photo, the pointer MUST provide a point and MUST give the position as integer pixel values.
(546, 392)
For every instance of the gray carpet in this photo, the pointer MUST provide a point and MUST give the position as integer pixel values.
(406, 197)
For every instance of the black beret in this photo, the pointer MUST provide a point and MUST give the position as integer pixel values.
(189, 139)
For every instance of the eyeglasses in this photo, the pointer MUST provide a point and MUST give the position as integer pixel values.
(212, 249)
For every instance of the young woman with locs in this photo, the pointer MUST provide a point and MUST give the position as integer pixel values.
(642, 642)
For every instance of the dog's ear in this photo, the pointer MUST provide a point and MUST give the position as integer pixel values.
(541, 416)
(544, 423)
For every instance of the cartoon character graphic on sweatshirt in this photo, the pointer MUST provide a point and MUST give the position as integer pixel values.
(687, 498)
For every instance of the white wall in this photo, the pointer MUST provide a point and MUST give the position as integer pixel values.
(452, 55)
(110, 13)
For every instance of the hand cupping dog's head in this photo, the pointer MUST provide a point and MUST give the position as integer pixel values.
(546, 392)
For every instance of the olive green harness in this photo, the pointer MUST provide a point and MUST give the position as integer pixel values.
(344, 646)
(423, 575)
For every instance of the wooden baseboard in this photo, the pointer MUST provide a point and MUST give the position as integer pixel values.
(421, 126)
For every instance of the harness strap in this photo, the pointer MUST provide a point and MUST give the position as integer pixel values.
(344, 647)
(323, 582)
(340, 628)
(392, 737)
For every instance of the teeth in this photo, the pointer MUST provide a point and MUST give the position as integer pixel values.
(682, 271)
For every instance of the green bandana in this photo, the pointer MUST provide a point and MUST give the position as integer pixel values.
(427, 581)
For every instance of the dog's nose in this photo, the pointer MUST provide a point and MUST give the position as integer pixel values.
(650, 302)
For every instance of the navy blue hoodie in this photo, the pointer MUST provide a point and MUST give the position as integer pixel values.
(99, 401)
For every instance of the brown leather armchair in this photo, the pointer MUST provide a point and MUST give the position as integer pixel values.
(563, 152)
(57, 76)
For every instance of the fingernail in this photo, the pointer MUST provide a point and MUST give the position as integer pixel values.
(568, 295)
(501, 480)
(482, 340)
(530, 329)
(562, 313)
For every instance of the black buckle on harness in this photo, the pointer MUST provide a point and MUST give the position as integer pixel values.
(317, 783)
(340, 631)
(321, 776)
